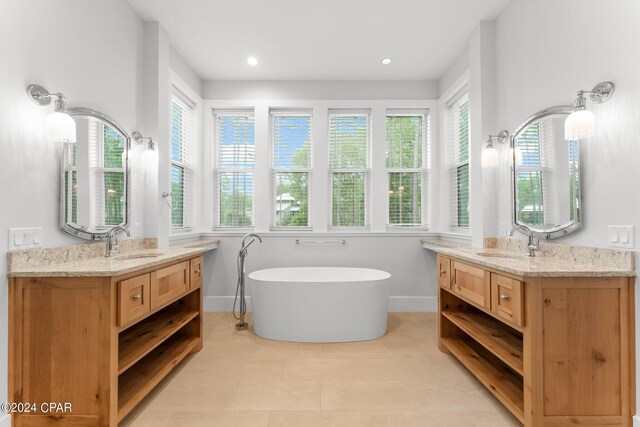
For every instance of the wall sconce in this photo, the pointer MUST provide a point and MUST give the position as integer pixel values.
(150, 156)
(139, 139)
(59, 125)
(490, 154)
(581, 122)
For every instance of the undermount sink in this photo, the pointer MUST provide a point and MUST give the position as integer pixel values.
(505, 256)
(137, 256)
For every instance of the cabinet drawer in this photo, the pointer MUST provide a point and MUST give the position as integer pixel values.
(169, 283)
(472, 283)
(134, 299)
(195, 267)
(506, 299)
(444, 272)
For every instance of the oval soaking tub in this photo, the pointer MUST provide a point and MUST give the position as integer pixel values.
(320, 304)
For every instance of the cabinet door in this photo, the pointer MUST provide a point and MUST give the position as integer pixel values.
(196, 272)
(472, 283)
(169, 283)
(133, 298)
(444, 272)
(506, 298)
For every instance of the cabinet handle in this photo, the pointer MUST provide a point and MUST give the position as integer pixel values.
(197, 271)
(136, 297)
(504, 297)
(443, 272)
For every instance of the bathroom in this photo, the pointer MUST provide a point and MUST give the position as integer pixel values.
(495, 63)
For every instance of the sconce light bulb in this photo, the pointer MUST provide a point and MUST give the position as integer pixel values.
(60, 127)
(489, 157)
(150, 160)
(579, 125)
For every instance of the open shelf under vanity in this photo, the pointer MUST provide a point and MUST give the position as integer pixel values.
(491, 350)
(541, 345)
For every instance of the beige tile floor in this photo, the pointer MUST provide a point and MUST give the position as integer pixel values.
(401, 379)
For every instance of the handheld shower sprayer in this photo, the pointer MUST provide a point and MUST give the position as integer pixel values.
(242, 308)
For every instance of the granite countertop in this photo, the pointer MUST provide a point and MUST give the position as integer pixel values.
(554, 260)
(121, 263)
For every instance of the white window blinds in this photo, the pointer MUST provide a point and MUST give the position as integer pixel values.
(234, 134)
(291, 167)
(349, 150)
(539, 201)
(107, 176)
(183, 162)
(407, 153)
(458, 146)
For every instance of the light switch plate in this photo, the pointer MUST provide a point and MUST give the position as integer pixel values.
(25, 238)
(622, 236)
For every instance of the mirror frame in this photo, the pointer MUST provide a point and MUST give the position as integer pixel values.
(559, 230)
(79, 232)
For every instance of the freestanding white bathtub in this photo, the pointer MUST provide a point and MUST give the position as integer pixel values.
(320, 304)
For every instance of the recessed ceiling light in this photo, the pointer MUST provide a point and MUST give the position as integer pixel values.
(252, 61)
(386, 61)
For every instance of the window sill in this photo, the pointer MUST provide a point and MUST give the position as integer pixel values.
(332, 233)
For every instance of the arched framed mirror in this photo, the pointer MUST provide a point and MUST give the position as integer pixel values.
(546, 175)
(95, 176)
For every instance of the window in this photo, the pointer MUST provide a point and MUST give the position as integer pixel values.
(458, 112)
(182, 161)
(539, 201)
(70, 165)
(406, 146)
(349, 141)
(291, 162)
(235, 163)
(107, 175)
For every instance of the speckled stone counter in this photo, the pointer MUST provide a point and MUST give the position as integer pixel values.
(551, 260)
(88, 260)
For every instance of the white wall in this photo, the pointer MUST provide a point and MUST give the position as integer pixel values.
(413, 278)
(320, 89)
(87, 50)
(475, 69)
(538, 69)
(412, 268)
(545, 52)
(184, 72)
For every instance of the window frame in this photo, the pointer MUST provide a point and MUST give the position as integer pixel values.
(424, 171)
(274, 171)
(218, 171)
(366, 171)
(452, 167)
(188, 167)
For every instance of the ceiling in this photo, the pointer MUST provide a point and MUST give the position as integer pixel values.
(319, 39)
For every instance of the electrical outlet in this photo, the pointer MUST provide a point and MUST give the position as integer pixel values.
(25, 238)
(622, 236)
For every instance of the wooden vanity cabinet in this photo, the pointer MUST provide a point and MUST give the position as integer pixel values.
(555, 351)
(100, 343)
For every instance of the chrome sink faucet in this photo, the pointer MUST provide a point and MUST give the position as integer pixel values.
(112, 240)
(532, 247)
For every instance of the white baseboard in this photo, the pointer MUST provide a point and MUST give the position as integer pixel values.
(421, 304)
(221, 303)
(398, 304)
(5, 420)
(636, 421)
